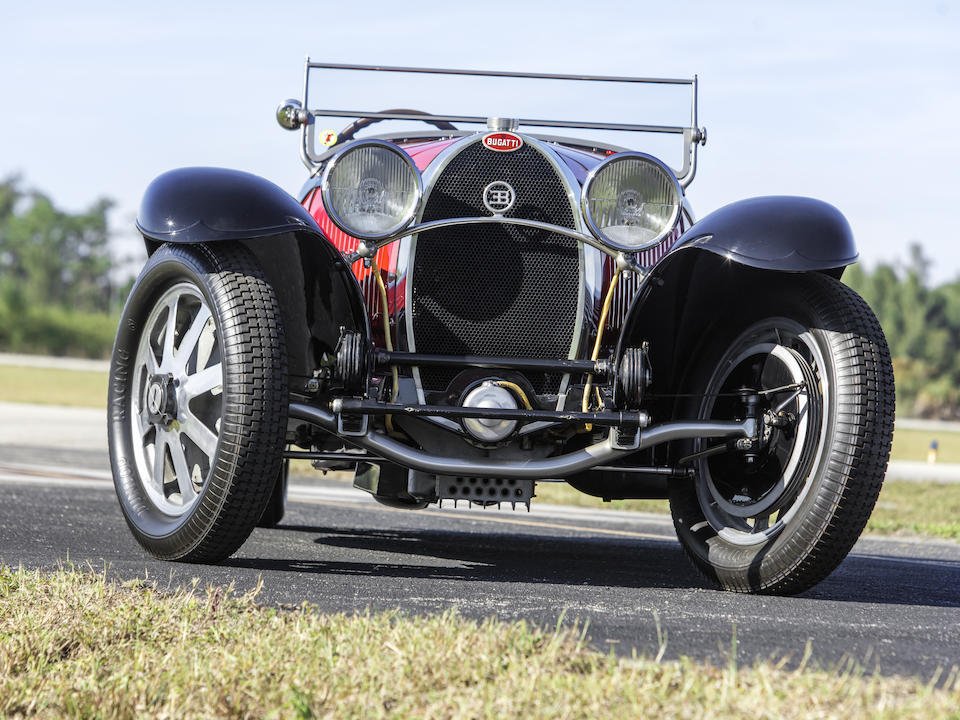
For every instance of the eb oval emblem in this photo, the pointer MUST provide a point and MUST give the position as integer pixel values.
(499, 196)
(502, 141)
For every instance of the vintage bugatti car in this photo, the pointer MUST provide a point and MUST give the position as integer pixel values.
(462, 312)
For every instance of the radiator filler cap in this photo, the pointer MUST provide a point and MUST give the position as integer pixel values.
(503, 124)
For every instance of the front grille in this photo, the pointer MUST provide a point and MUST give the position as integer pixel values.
(496, 289)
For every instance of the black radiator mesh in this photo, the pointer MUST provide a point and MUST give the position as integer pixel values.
(496, 290)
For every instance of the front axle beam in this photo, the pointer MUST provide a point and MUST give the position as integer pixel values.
(559, 466)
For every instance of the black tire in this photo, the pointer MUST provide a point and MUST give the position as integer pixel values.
(277, 504)
(197, 426)
(783, 520)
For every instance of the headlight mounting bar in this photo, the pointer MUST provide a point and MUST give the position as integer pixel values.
(368, 248)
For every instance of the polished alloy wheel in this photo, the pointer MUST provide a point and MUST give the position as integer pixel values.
(198, 402)
(178, 400)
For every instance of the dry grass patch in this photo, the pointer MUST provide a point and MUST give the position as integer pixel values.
(75, 645)
(52, 386)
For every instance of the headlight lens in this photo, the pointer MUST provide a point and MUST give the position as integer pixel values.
(371, 189)
(631, 201)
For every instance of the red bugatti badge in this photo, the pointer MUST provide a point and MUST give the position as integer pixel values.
(502, 141)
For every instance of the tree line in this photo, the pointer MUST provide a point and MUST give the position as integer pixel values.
(922, 325)
(57, 293)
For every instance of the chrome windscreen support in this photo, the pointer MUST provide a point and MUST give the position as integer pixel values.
(693, 134)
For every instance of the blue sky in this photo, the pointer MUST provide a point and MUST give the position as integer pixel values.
(854, 103)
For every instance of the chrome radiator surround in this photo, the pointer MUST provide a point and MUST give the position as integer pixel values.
(508, 340)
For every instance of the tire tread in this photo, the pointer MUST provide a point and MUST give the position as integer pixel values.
(861, 438)
(254, 418)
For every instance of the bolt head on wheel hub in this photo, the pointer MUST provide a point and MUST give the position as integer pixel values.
(162, 399)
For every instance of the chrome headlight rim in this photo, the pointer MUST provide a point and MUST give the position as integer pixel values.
(588, 215)
(335, 216)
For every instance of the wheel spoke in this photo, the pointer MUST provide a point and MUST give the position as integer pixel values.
(181, 470)
(201, 435)
(790, 399)
(166, 360)
(145, 425)
(150, 360)
(206, 344)
(159, 459)
(206, 380)
(189, 342)
(782, 389)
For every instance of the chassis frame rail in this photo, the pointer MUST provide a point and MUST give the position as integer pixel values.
(386, 358)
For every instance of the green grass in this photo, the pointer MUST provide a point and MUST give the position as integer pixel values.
(49, 386)
(903, 508)
(75, 645)
(914, 445)
(913, 508)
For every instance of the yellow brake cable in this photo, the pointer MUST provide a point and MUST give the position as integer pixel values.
(517, 390)
(604, 312)
(388, 340)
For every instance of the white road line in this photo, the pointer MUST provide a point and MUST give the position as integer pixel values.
(12, 479)
(59, 363)
(55, 471)
(52, 476)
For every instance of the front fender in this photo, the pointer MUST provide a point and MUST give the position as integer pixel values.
(692, 294)
(205, 204)
(317, 293)
(794, 234)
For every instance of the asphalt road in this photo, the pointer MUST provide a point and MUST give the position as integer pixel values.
(892, 606)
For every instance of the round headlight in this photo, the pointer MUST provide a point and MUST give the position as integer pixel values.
(371, 189)
(631, 201)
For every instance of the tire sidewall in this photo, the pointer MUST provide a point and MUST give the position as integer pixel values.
(167, 535)
(759, 566)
